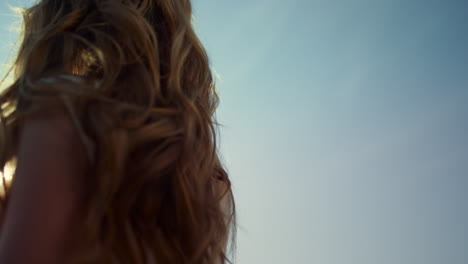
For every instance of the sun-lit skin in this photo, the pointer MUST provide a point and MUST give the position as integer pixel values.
(8, 176)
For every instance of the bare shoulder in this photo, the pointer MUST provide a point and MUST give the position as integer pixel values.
(46, 191)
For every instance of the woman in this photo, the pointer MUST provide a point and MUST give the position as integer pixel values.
(110, 122)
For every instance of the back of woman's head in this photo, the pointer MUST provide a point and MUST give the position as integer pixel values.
(146, 99)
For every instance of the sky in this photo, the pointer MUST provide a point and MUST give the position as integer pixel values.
(344, 126)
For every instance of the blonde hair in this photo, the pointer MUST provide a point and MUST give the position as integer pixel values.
(144, 104)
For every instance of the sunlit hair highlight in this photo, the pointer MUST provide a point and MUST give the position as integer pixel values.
(137, 82)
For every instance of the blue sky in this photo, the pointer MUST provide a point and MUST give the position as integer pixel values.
(345, 127)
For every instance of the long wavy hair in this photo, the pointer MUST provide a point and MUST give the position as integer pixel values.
(145, 106)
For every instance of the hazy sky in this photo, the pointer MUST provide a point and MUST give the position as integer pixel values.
(345, 127)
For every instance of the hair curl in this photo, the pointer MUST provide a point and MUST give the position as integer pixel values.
(145, 105)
